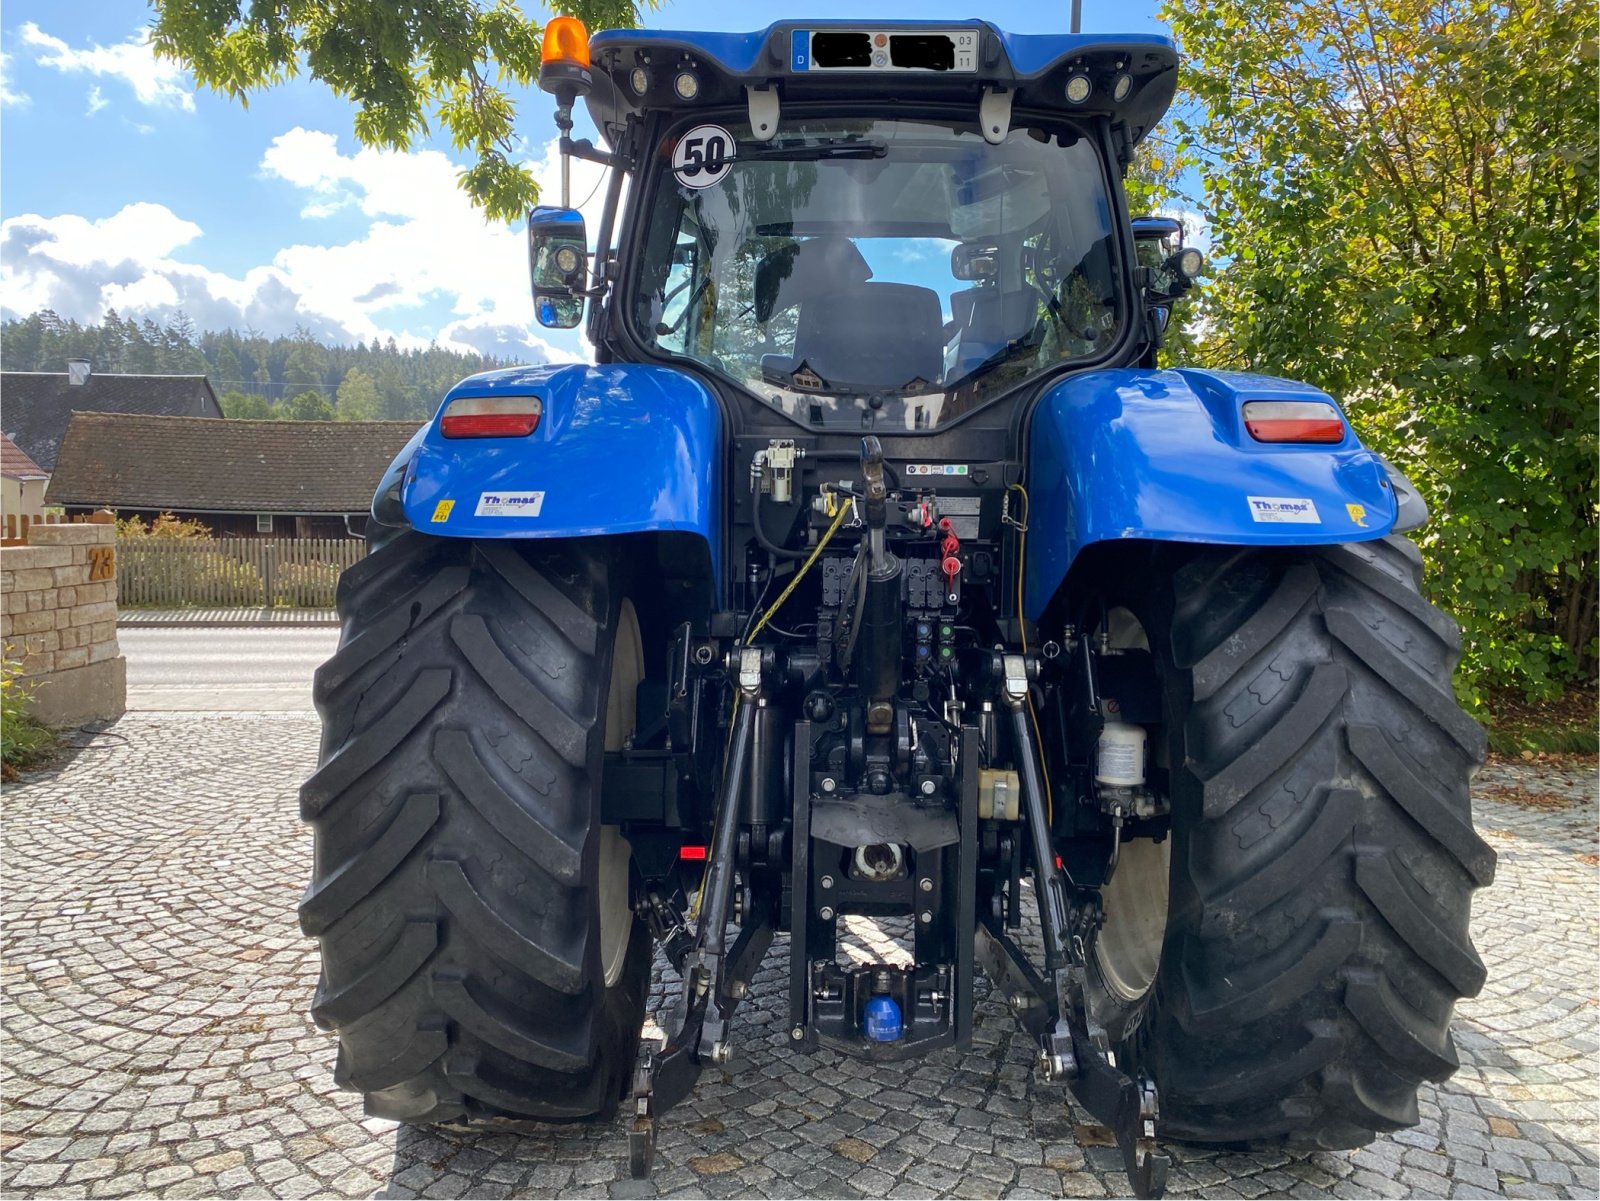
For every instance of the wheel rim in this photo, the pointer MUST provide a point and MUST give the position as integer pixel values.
(616, 912)
(1128, 947)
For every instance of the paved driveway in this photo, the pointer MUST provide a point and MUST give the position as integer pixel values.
(155, 988)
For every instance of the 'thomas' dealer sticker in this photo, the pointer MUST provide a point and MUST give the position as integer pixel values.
(1294, 509)
(509, 504)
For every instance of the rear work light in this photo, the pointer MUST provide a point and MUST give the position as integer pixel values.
(491, 417)
(1293, 421)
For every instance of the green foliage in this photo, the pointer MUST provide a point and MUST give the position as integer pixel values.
(165, 526)
(407, 68)
(308, 406)
(358, 397)
(23, 741)
(247, 406)
(1403, 194)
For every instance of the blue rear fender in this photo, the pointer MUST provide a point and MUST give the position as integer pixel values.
(1164, 455)
(619, 449)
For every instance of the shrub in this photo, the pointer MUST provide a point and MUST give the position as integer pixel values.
(23, 741)
(163, 525)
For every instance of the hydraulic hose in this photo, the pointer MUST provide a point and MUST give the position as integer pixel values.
(767, 544)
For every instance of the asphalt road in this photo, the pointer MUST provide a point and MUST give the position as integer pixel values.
(202, 669)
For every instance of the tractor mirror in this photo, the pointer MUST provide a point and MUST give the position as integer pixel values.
(974, 261)
(558, 257)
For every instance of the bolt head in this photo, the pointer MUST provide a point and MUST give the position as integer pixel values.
(927, 916)
(829, 784)
(826, 881)
(929, 787)
(798, 1033)
(722, 1052)
(925, 884)
(825, 913)
(737, 988)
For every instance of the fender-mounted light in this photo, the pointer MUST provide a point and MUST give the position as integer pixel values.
(1293, 421)
(565, 41)
(491, 417)
(697, 854)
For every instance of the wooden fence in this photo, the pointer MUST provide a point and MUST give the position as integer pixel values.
(17, 527)
(177, 573)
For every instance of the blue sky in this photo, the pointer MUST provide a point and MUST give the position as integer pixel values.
(123, 185)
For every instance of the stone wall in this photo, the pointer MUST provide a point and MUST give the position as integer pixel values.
(58, 618)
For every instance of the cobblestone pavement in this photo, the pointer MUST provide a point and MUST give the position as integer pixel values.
(155, 988)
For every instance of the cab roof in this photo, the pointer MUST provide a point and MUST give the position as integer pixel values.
(866, 61)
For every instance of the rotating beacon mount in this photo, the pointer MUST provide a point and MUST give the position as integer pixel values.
(564, 73)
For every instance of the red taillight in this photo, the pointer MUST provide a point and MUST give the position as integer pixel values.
(491, 417)
(695, 853)
(1293, 421)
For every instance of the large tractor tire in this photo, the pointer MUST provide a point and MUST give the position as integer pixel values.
(480, 959)
(1286, 964)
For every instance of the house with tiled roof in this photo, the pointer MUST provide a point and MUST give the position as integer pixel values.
(305, 479)
(22, 481)
(35, 406)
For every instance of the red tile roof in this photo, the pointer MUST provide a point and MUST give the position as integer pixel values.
(36, 405)
(15, 465)
(224, 465)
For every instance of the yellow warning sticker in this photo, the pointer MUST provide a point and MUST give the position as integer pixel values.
(1358, 514)
(441, 511)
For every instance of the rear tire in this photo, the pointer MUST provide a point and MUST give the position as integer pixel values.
(1323, 857)
(458, 889)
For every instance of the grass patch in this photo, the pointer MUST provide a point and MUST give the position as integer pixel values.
(1562, 727)
(24, 742)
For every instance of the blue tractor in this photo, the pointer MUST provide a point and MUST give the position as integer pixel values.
(873, 570)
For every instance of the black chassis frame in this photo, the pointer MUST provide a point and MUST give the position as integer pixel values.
(693, 791)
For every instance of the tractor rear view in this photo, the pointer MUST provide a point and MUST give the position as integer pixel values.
(873, 570)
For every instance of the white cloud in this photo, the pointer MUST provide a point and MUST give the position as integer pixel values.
(423, 245)
(155, 82)
(7, 96)
(97, 101)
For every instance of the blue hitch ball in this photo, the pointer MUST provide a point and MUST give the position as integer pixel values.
(881, 1020)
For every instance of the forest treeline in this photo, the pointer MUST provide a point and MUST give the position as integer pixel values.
(291, 377)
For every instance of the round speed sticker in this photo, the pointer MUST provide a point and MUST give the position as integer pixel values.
(703, 156)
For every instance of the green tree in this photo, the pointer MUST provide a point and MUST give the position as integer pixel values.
(227, 369)
(308, 406)
(358, 397)
(405, 67)
(1403, 193)
(247, 406)
(306, 367)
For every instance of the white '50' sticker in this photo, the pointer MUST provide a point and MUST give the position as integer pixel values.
(703, 156)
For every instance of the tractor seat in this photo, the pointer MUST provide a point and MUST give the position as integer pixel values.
(988, 322)
(874, 335)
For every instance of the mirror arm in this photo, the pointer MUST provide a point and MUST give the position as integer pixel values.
(585, 149)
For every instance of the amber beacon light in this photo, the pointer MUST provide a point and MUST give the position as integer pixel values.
(565, 41)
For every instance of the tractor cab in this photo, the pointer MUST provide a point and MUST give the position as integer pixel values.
(864, 226)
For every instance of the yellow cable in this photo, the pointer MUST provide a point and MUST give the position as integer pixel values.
(733, 717)
(1022, 626)
(838, 520)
